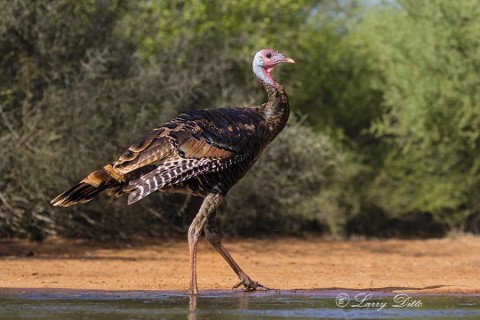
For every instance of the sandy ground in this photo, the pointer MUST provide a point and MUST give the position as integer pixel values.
(449, 265)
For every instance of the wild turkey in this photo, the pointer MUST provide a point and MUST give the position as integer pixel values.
(200, 152)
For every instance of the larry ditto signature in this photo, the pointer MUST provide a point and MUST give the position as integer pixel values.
(365, 300)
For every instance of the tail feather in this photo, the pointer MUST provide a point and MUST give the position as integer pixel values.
(103, 179)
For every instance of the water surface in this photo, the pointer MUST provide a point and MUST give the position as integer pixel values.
(315, 304)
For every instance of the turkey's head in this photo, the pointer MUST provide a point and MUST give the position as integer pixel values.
(265, 61)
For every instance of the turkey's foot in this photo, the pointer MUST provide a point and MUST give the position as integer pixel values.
(250, 285)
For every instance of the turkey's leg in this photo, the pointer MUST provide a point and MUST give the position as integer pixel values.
(208, 207)
(215, 239)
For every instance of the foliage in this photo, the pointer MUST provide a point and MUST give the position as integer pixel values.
(44, 58)
(390, 89)
(425, 56)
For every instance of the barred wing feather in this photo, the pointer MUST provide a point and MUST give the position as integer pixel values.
(174, 153)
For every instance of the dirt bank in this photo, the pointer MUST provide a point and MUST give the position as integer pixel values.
(421, 266)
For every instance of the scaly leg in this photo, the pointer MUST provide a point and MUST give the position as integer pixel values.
(215, 239)
(211, 202)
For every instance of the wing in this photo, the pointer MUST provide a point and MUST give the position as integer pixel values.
(194, 143)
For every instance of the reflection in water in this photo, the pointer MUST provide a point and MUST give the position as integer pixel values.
(239, 299)
(243, 301)
(192, 307)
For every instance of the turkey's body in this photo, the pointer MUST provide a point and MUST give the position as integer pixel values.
(243, 132)
(200, 152)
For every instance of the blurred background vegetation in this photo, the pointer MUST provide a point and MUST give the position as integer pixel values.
(384, 140)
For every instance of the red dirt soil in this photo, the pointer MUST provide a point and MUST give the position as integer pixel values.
(449, 265)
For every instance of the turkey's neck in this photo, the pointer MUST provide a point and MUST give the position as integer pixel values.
(277, 108)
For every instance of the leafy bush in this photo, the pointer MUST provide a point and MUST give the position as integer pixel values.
(390, 90)
(80, 86)
(424, 60)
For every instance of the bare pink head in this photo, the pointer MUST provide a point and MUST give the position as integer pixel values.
(265, 61)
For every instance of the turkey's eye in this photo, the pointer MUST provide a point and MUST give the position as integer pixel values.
(268, 55)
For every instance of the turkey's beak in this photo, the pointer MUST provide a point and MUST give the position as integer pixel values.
(288, 60)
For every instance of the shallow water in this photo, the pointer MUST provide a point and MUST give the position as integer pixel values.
(316, 304)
